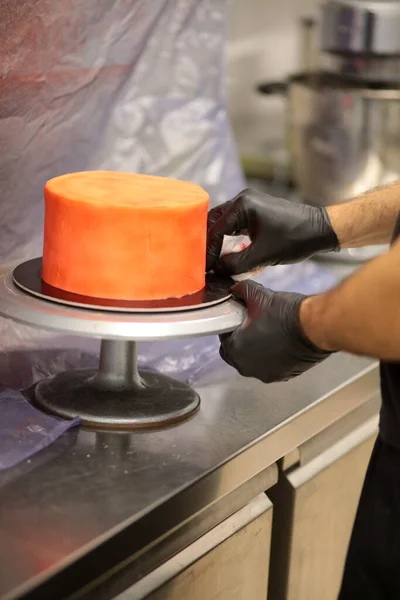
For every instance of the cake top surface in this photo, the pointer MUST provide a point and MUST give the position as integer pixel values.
(125, 189)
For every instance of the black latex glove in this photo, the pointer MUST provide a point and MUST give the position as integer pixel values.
(281, 232)
(270, 345)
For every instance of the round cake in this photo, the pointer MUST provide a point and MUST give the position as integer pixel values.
(124, 236)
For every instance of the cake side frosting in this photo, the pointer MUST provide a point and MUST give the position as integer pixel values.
(124, 236)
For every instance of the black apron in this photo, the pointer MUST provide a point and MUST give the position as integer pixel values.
(372, 570)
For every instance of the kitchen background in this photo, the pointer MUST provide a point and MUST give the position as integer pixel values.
(334, 132)
(321, 428)
(264, 44)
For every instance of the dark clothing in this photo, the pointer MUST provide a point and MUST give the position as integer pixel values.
(390, 411)
(390, 385)
(372, 570)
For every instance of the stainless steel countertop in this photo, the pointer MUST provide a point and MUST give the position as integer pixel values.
(98, 495)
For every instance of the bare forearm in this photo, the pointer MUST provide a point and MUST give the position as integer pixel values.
(367, 220)
(362, 315)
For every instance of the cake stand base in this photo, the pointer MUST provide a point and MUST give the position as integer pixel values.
(118, 395)
(160, 401)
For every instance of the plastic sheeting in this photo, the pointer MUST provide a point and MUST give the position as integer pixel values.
(133, 85)
(24, 430)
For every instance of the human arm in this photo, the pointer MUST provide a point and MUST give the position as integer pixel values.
(368, 219)
(286, 334)
(284, 232)
(362, 314)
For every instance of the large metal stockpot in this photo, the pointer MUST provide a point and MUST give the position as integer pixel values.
(360, 38)
(361, 27)
(343, 136)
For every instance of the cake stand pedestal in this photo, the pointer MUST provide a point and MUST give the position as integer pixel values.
(117, 395)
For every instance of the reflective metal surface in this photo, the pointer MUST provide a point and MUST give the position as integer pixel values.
(118, 395)
(335, 37)
(230, 562)
(89, 504)
(117, 366)
(344, 137)
(352, 137)
(182, 538)
(361, 27)
(20, 306)
(158, 402)
(315, 506)
(366, 68)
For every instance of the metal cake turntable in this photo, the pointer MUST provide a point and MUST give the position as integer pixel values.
(117, 395)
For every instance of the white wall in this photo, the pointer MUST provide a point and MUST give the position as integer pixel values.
(264, 44)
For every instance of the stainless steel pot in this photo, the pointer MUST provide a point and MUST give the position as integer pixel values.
(369, 69)
(343, 137)
(361, 27)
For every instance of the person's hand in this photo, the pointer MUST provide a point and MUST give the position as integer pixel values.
(270, 345)
(280, 231)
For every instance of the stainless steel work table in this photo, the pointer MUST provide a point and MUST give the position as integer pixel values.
(92, 503)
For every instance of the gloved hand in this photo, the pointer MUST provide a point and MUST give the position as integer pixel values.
(270, 345)
(281, 232)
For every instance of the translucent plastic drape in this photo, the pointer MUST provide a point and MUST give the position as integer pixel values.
(133, 85)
